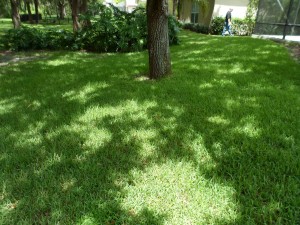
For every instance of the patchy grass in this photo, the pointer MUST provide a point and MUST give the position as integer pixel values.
(5, 25)
(85, 139)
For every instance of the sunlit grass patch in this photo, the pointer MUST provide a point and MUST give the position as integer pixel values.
(182, 195)
(86, 139)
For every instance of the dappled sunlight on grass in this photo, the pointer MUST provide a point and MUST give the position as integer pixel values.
(8, 105)
(248, 127)
(83, 94)
(86, 139)
(60, 62)
(172, 187)
(218, 120)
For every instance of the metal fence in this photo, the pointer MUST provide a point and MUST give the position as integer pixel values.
(278, 17)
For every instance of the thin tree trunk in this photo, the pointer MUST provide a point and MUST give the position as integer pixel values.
(36, 6)
(29, 11)
(208, 15)
(15, 13)
(178, 9)
(175, 7)
(158, 39)
(83, 9)
(62, 10)
(74, 6)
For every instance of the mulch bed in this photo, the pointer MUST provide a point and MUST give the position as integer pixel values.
(295, 51)
(292, 46)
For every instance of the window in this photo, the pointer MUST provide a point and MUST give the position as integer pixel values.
(195, 12)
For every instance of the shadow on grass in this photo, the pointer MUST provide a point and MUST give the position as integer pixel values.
(75, 127)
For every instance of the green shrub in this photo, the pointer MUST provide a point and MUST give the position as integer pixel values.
(198, 28)
(201, 29)
(174, 28)
(240, 27)
(188, 26)
(24, 38)
(216, 26)
(59, 39)
(111, 30)
(30, 38)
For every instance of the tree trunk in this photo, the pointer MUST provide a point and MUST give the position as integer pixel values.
(207, 16)
(158, 39)
(175, 7)
(74, 7)
(83, 9)
(15, 13)
(29, 11)
(36, 6)
(62, 10)
(179, 9)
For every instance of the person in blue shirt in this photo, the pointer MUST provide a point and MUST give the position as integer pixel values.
(227, 25)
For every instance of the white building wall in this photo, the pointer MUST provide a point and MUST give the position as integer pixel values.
(126, 5)
(239, 8)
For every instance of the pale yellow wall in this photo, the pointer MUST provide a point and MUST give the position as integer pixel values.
(204, 14)
(170, 4)
(186, 9)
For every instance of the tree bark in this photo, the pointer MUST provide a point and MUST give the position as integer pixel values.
(15, 13)
(29, 11)
(36, 6)
(62, 10)
(207, 16)
(75, 7)
(175, 6)
(179, 9)
(158, 39)
(83, 9)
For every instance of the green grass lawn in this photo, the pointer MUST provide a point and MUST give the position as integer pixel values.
(86, 139)
(5, 25)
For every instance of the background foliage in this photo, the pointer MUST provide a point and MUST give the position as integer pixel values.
(240, 27)
(111, 30)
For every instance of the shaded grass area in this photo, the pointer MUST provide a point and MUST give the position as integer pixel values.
(5, 25)
(85, 139)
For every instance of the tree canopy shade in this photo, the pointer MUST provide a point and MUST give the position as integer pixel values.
(158, 39)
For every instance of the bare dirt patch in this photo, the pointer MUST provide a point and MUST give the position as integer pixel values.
(294, 49)
(292, 46)
(9, 57)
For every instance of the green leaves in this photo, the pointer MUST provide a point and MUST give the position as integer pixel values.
(111, 30)
(30, 38)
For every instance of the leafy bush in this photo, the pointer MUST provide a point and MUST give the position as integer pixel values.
(216, 26)
(174, 28)
(59, 39)
(24, 38)
(111, 30)
(240, 27)
(30, 38)
(198, 28)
